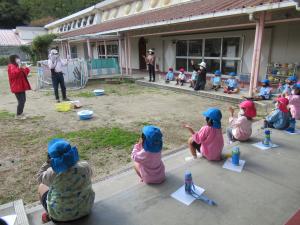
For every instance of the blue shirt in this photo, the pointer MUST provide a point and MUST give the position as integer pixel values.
(232, 83)
(279, 119)
(287, 89)
(170, 76)
(216, 81)
(266, 92)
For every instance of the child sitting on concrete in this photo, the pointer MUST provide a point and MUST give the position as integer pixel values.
(231, 84)
(241, 127)
(287, 88)
(181, 77)
(279, 119)
(209, 139)
(294, 102)
(65, 188)
(169, 75)
(147, 156)
(216, 80)
(264, 91)
(193, 79)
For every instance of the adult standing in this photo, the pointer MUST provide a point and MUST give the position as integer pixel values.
(201, 79)
(18, 82)
(55, 64)
(150, 61)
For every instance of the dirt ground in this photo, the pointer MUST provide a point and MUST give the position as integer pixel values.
(129, 106)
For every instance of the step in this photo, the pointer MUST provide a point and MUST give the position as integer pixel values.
(15, 208)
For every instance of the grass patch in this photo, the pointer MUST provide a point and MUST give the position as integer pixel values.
(6, 115)
(93, 140)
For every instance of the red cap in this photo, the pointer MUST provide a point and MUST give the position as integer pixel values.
(283, 103)
(171, 69)
(249, 108)
(181, 70)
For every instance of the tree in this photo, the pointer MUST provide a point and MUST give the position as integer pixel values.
(12, 14)
(40, 45)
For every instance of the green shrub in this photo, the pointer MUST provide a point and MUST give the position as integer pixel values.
(3, 61)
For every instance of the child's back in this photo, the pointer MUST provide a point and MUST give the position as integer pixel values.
(211, 140)
(294, 101)
(279, 119)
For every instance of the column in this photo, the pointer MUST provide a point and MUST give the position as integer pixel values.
(257, 53)
(126, 54)
(89, 48)
(120, 56)
(129, 55)
(105, 49)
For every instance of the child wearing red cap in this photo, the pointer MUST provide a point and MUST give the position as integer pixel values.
(209, 139)
(147, 156)
(241, 127)
(169, 75)
(279, 119)
(181, 77)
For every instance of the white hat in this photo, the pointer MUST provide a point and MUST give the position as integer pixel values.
(203, 64)
(53, 52)
(150, 50)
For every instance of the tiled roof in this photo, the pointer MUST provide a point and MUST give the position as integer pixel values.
(9, 38)
(195, 8)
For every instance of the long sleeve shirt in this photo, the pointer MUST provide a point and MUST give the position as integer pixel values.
(211, 140)
(150, 59)
(151, 167)
(278, 119)
(241, 127)
(56, 64)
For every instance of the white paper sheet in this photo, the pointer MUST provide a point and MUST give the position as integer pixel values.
(263, 147)
(228, 165)
(185, 198)
(296, 132)
(10, 220)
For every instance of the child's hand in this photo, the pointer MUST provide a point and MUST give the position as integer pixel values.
(187, 126)
(192, 62)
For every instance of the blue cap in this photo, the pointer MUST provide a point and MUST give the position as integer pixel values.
(233, 74)
(297, 86)
(293, 78)
(215, 115)
(62, 155)
(153, 142)
(265, 81)
(218, 73)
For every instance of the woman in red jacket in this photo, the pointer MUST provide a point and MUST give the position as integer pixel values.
(18, 82)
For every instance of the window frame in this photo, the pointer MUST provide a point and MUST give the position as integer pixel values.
(221, 58)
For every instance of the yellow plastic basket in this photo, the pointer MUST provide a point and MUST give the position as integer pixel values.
(63, 107)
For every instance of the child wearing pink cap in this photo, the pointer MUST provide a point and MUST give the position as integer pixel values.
(241, 127)
(147, 156)
(181, 77)
(209, 139)
(294, 102)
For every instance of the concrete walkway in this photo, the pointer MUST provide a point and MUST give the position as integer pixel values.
(267, 191)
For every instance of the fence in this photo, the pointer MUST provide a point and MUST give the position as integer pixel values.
(77, 72)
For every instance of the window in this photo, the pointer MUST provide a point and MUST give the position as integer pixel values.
(85, 21)
(92, 19)
(65, 27)
(187, 51)
(69, 27)
(74, 52)
(79, 22)
(219, 54)
(61, 28)
(74, 24)
(112, 50)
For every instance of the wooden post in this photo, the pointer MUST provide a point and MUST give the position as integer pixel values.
(126, 54)
(120, 56)
(89, 48)
(129, 55)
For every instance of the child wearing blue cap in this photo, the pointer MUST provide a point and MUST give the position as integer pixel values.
(287, 88)
(209, 139)
(147, 156)
(264, 93)
(65, 187)
(216, 80)
(231, 84)
(169, 75)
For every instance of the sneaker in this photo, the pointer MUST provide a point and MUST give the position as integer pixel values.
(20, 117)
(57, 100)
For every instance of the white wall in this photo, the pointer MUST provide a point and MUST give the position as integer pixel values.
(286, 43)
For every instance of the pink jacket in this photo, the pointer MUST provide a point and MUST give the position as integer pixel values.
(211, 140)
(151, 166)
(294, 103)
(241, 128)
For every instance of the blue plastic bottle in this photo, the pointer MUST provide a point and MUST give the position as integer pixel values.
(267, 139)
(235, 158)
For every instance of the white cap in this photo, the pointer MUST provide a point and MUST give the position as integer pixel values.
(53, 51)
(150, 50)
(203, 64)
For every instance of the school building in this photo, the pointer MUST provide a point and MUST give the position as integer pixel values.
(250, 37)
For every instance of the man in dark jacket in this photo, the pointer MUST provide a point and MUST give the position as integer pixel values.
(201, 80)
